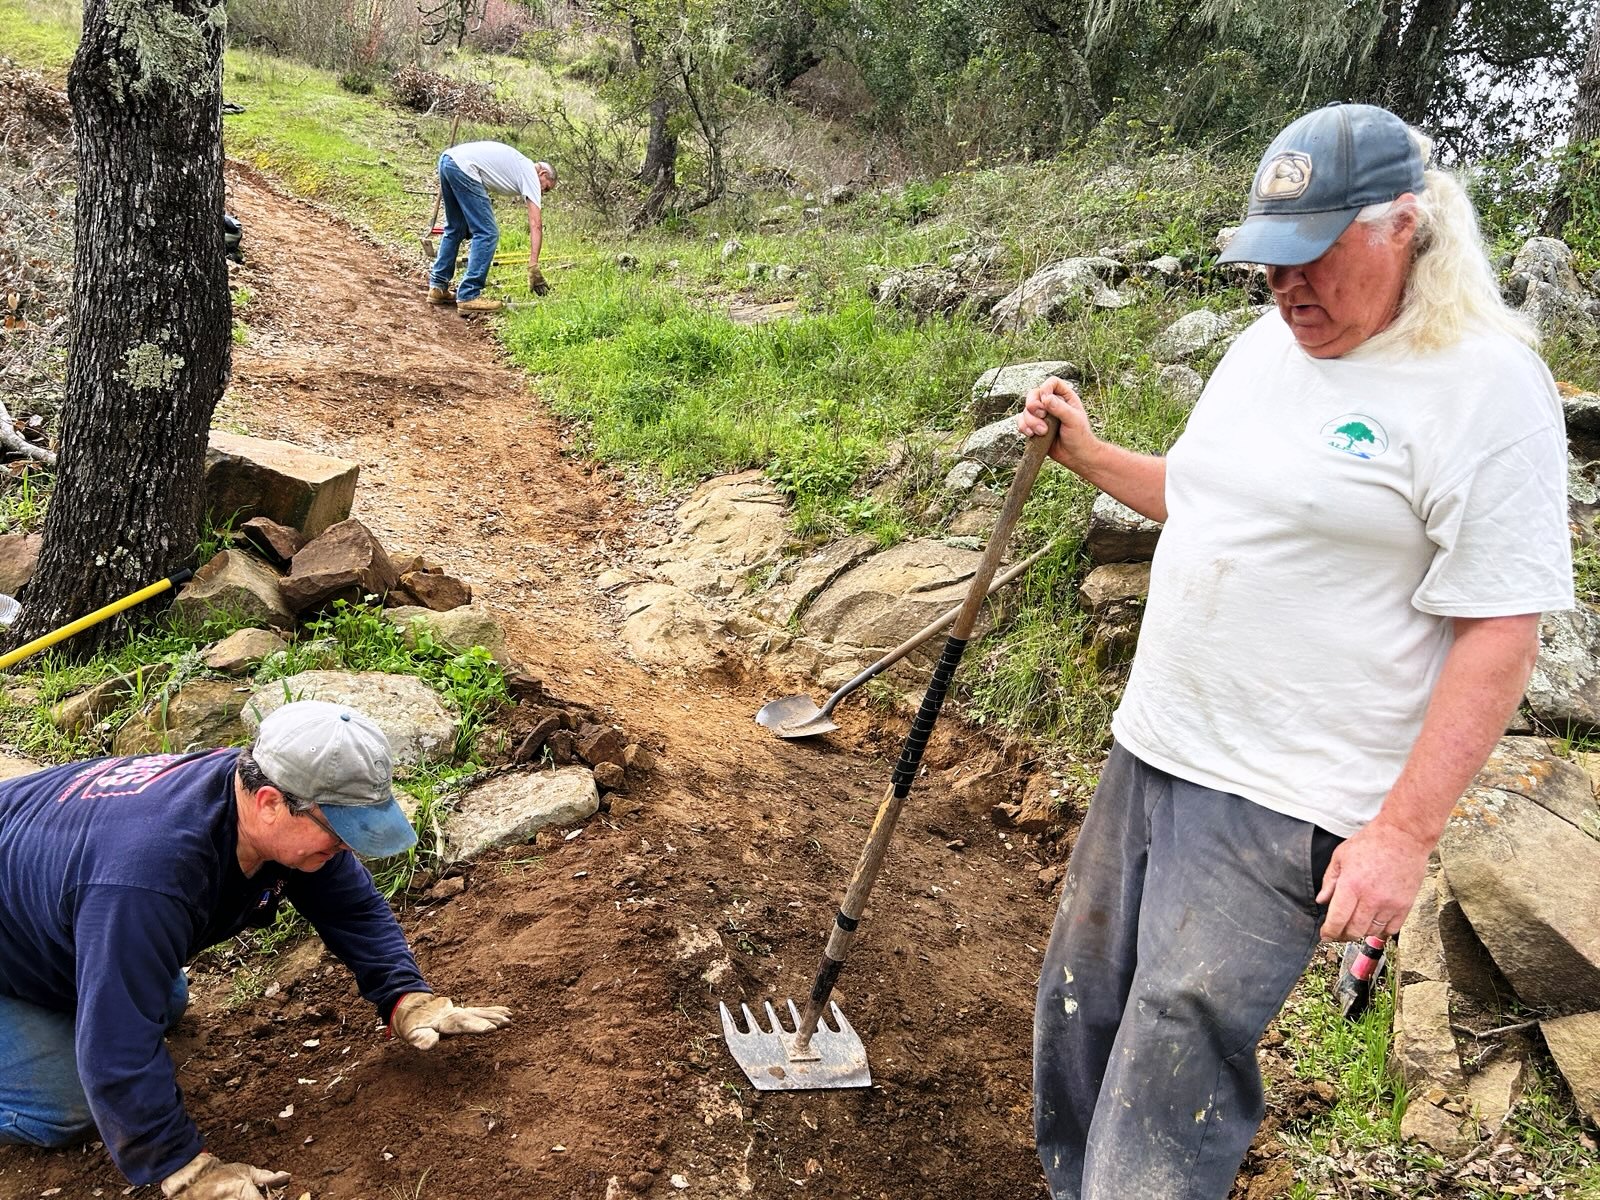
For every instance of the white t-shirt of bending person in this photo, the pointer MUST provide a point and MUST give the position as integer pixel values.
(500, 168)
(1325, 521)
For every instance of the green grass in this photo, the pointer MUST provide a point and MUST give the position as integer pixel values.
(42, 34)
(1363, 1124)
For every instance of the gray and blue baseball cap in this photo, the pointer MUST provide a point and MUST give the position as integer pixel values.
(339, 759)
(1317, 175)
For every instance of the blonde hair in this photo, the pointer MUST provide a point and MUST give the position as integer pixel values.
(1451, 286)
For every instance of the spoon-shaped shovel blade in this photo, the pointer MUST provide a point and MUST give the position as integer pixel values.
(794, 717)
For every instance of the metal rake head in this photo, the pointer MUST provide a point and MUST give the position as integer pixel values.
(836, 1057)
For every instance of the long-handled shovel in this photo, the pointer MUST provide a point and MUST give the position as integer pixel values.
(797, 717)
(817, 1055)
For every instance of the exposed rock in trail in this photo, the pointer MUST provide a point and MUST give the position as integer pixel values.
(667, 626)
(513, 806)
(242, 650)
(345, 562)
(728, 528)
(878, 604)
(255, 477)
(408, 711)
(801, 580)
(203, 714)
(235, 582)
(459, 629)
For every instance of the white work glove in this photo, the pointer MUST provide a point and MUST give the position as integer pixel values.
(421, 1018)
(207, 1177)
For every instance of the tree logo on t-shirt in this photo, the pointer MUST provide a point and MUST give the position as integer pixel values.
(1356, 434)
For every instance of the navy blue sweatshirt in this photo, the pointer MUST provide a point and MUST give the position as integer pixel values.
(115, 873)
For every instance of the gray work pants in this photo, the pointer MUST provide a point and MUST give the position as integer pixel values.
(1186, 917)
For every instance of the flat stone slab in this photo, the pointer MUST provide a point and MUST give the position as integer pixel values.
(513, 807)
(419, 727)
(892, 595)
(257, 477)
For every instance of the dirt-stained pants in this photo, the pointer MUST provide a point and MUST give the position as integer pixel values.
(1186, 917)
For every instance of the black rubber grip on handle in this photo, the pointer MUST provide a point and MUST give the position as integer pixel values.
(932, 701)
(827, 976)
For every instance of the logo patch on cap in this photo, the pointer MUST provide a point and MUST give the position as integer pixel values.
(1285, 177)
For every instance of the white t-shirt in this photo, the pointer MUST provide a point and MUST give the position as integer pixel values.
(499, 167)
(1325, 520)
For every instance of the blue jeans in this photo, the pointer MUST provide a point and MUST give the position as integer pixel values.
(467, 213)
(41, 1100)
(1186, 917)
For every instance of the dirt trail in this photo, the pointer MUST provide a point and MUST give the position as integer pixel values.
(739, 847)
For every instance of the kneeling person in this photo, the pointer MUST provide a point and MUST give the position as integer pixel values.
(115, 872)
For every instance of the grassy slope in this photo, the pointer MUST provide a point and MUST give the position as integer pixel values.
(650, 363)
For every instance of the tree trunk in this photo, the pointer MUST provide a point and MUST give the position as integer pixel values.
(1579, 171)
(1401, 67)
(151, 317)
(659, 172)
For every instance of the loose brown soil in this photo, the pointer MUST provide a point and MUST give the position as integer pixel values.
(737, 847)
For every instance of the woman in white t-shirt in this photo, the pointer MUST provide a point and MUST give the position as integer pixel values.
(1364, 519)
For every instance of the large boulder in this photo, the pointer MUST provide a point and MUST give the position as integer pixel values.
(235, 583)
(512, 807)
(201, 715)
(254, 477)
(1001, 390)
(344, 562)
(1062, 289)
(1524, 876)
(419, 727)
(729, 527)
(1564, 690)
(878, 604)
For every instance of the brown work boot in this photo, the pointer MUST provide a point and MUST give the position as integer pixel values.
(478, 305)
(442, 295)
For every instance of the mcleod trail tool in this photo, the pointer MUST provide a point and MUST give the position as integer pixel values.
(798, 717)
(818, 1054)
(175, 580)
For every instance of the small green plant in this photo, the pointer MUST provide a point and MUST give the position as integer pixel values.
(23, 502)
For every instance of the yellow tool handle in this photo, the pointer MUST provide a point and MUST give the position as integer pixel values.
(176, 579)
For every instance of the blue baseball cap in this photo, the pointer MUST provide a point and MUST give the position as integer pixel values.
(339, 759)
(1317, 175)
